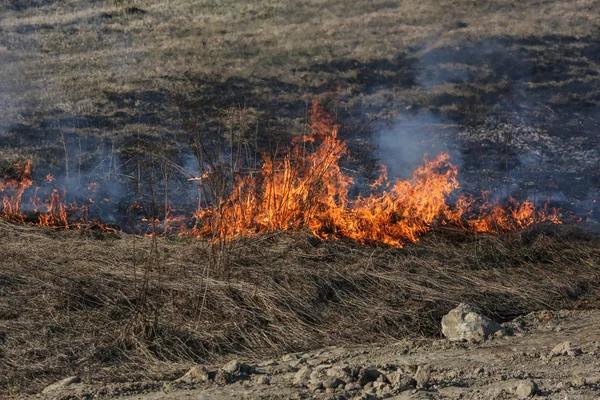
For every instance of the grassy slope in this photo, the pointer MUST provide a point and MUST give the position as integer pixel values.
(132, 308)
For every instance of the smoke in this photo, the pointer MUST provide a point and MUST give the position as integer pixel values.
(403, 144)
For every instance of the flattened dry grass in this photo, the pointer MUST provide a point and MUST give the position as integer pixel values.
(72, 302)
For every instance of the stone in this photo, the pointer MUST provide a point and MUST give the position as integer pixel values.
(500, 334)
(224, 378)
(352, 387)
(401, 381)
(367, 375)
(289, 357)
(341, 373)
(331, 382)
(379, 385)
(296, 363)
(262, 380)
(268, 363)
(422, 376)
(578, 381)
(526, 389)
(463, 324)
(592, 380)
(302, 376)
(232, 366)
(565, 349)
(61, 385)
(195, 374)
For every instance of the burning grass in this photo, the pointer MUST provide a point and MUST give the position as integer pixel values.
(129, 307)
(306, 188)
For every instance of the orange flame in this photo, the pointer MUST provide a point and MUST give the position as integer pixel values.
(309, 190)
(12, 192)
(306, 188)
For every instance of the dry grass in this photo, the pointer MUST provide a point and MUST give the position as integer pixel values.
(113, 70)
(115, 310)
(130, 307)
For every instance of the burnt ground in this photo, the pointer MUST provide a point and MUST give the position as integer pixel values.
(507, 108)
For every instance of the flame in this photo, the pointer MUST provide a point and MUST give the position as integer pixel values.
(308, 189)
(12, 191)
(304, 188)
(53, 212)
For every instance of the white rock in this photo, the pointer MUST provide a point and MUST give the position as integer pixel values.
(526, 389)
(564, 349)
(195, 374)
(422, 376)
(232, 366)
(302, 376)
(464, 323)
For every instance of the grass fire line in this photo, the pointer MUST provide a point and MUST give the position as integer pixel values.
(307, 189)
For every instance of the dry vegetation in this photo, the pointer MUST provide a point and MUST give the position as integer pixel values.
(105, 89)
(105, 71)
(121, 308)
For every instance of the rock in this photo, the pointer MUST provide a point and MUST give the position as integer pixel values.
(578, 381)
(296, 363)
(366, 396)
(592, 380)
(341, 373)
(565, 349)
(268, 363)
(289, 357)
(422, 376)
(195, 374)
(62, 385)
(464, 323)
(232, 366)
(331, 382)
(224, 378)
(401, 381)
(379, 385)
(500, 334)
(262, 380)
(302, 376)
(526, 389)
(367, 375)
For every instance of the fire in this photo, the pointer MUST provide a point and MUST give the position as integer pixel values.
(304, 188)
(53, 212)
(308, 189)
(12, 192)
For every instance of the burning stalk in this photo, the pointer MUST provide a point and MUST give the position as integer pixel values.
(306, 188)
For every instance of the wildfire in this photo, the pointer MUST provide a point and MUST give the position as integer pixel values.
(305, 188)
(53, 212)
(13, 189)
(308, 189)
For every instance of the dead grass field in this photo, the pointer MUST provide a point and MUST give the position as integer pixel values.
(106, 71)
(130, 308)
(92, 87)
